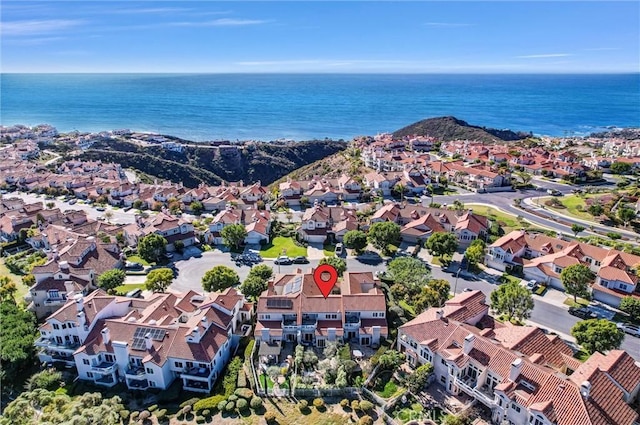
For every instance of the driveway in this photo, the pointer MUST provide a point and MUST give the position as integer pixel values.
(314, 251)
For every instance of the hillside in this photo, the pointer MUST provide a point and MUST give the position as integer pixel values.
(264, 162)
(451, 128)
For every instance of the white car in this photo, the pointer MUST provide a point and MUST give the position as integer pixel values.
(629, 328)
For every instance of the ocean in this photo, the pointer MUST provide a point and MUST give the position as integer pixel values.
(316, 106)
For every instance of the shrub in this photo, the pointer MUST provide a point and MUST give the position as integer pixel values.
(135, 415)
(366, 405)
(144, 415)
(244, 393)
(200, 419)
(318, 403)
(153, 408)
(124, 414)
(355, 405)
(229, 406)
(232, 397)
(206, 413)
(189, 402)
(344, 403)
(270, 417)
(209, 403)
(187, 409)
(221, 405)
(365, 420)
(255, 403)
(231, 377)
(242, 404)
(242, 379)
(303, 405)
(48, 379)
(161, 415)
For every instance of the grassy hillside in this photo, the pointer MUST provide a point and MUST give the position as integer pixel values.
(265, 162)
(451, 128)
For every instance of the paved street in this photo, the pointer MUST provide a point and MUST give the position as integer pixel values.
(545, 314)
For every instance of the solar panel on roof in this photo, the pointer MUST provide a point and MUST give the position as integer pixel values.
(279, 303)
(138, 344)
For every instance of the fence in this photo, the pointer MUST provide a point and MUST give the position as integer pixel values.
(326, 392)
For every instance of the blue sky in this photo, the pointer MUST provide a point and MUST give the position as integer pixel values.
(404, 37)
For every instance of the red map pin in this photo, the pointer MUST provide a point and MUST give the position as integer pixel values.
(325, 285)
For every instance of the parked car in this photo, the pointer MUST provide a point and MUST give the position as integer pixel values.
(629, 328)
(531, 285)
(282, 260)
(582, 312)
(72, 201)
(100, 209)
(339, 249)
(301, 259)
(131, 265)
(168, 255)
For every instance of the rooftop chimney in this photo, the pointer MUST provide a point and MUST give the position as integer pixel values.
(64, 266)
(516, 367)
(106, 335)
(585, 389)
(468, 343)
(148, 342)
(79, 299)
(265, 335)
(205, 322)
(82, 319)
(439, 314)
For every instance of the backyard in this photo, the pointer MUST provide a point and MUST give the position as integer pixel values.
(282, 246)
(22, 288)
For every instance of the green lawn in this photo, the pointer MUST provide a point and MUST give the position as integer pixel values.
(581, 302)
(22, 288)
(507, 221)
(390, 389)
(137, 259)
(282, 246)
(123, 289)
(573, 204)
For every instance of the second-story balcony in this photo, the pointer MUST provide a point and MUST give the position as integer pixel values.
(469, 386)
(136, 372)
(54, 344)
(55, 301)
(198, 373)
(104, 368)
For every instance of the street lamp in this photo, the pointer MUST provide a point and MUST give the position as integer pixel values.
(455, 285)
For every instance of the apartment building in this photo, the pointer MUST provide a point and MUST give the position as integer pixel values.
(521, 374)
(292, 309)
(146, 343)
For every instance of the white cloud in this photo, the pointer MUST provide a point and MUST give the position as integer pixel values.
(34, 41)
(35, 27)
(546, 55)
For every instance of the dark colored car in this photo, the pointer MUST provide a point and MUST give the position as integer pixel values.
(300, 260)
(582, 312)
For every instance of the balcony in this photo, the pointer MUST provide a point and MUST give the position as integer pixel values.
(103, 368)
(53, 344)
(54, 301)
(106, 380)
(197, 373)
(196, 386)
(138, 385)
(136, 373)
(483, 395)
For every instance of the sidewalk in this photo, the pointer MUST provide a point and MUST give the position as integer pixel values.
(553, 296)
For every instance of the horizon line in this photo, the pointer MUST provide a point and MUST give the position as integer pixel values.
(612, 72)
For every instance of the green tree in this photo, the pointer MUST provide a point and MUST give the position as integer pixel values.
(196, 207)
(253, 286)
(576, 279)
(383, 234)
(419, 378)
(233, 235)
(158, 280)
(262, 271)
(152, 247)
(111, 279)
(475, 253)
(17, 335)
(220, 278)
(408, 271)
(458, 205)
(137, 204)
(512, 299)
(355, 239)
(631, 306)
(597, 335)
(441, 244)
(29, 280)
(626, 215)
(620, 168)
(8, 288)
(576, 228)
(50, 205)
(178, 246)
(390, 360)
(595, 210)
(433, 295)
(338, 263)
(48, 379)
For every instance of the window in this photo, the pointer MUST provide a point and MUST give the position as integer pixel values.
(89, 374)
(597, 263)
(109, 358)
(536, 421)
(443, 362)
(515, 407)
(150, 371)
(85, 361)
(266, 316)
(202, 365)
(56, 326)
(443, 379)
(332, 316)
(64, 326)
(178, 364)
(189, 365)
